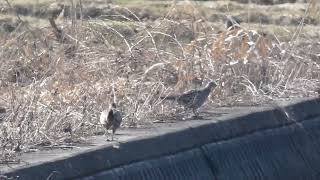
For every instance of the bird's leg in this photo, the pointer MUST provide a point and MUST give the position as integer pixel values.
(108, 135)
(113, 133)
(71, 135)
(195, 112)
(177, 110)
(105, 130)
(185, 110)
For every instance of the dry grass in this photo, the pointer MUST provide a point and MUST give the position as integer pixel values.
(49, 84)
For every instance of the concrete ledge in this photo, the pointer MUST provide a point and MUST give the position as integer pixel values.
(189, 165)
(289, 152)
(277, 127)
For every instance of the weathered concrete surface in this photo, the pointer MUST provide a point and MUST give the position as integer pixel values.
(283, 153)
(275, 143)
(188, 165)
(289, 152)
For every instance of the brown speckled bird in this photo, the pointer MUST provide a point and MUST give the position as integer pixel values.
(111, 118)
(193, 99)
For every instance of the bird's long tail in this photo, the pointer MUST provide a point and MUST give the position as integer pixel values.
(168, 97)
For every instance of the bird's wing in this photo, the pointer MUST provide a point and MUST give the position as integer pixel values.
(183, 96)
(117, 118)
(110, 119)
(190, 93)
(189, 98)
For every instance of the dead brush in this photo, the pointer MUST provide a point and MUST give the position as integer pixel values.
(68, 83)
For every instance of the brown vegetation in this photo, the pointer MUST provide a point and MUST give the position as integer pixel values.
(65, 74)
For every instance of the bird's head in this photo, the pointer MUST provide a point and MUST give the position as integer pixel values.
(212, 84)
(113, 105)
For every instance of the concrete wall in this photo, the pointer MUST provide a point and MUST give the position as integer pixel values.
(279, 143)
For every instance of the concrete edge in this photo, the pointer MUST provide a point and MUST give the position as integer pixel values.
(107, 157)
